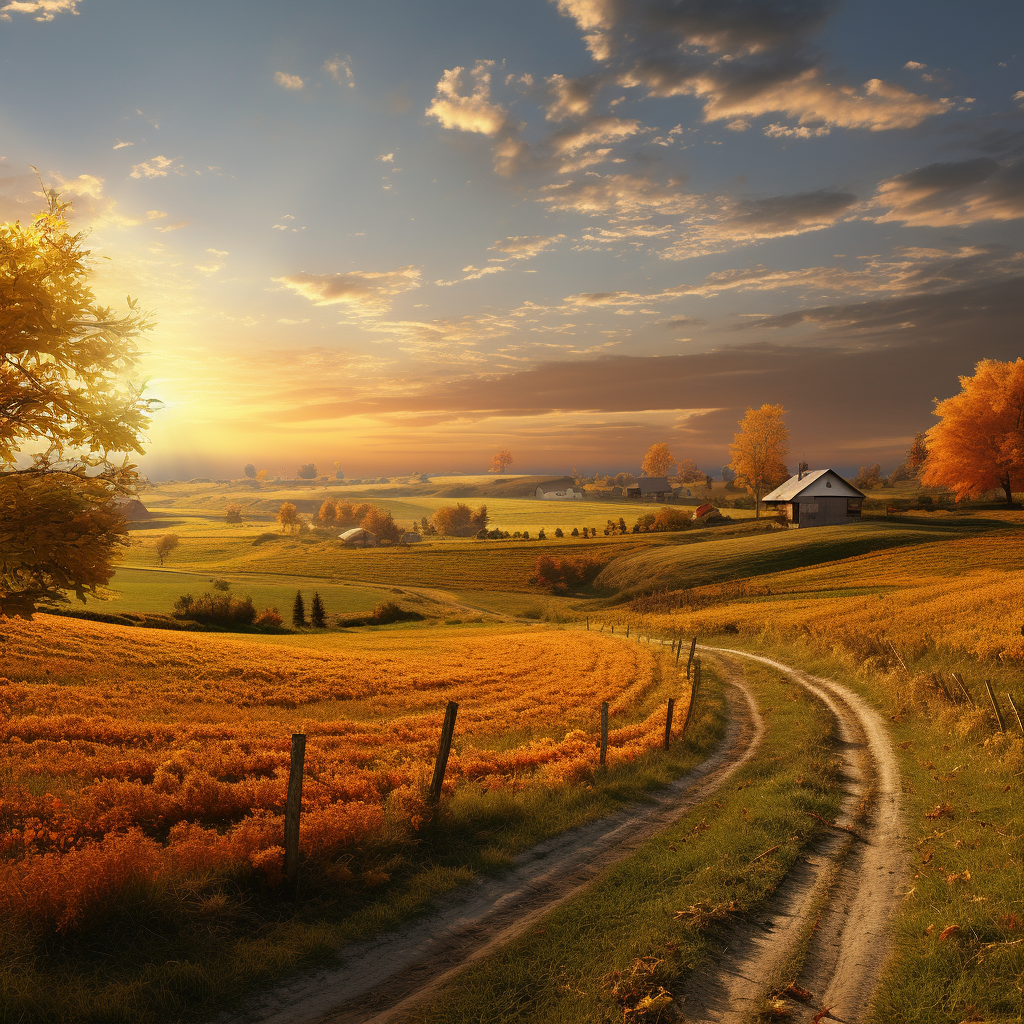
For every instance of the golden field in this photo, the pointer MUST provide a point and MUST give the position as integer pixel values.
(135, 756)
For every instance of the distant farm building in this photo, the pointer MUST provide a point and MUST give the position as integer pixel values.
(821, 498)
(560, 490)
(359, 538)
(410, 538)
(132, 509)
(651, 488)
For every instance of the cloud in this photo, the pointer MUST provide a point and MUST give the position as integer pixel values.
(121, 145)
(525, 247)
(571, 97)
(743, 58)
(592, 133)
(956, 193)
(157, 167)
(288, 81)
(913, 65)
(621, 195)
(783, 131)
(44, 10)
(365, 290)
(340, 70)
(473, 112)
(387, 158)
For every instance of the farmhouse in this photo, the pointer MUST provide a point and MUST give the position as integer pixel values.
(651, 488)
(821, 498)
(359, 538)
(560, 490)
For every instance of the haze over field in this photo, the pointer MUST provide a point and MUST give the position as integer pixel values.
(402, 235)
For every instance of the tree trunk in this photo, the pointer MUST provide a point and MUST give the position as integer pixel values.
(1005, 484)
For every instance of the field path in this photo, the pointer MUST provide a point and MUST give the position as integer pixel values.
(837, 901)
(381, 978)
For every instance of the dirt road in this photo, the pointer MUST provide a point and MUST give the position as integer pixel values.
(837, 900)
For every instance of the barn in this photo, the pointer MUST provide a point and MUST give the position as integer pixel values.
(359, 538)
(651, 488)
(821, 498)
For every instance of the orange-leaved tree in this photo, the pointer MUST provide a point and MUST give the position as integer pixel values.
(978, 443)
(381, 524)
(689, 473)
(71, 414)
(288, 516)
(500, 459)
(658, 461)
(328, 514)
(759, 450)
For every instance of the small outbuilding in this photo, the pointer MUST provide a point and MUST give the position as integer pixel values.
(821, 498)
(359, 538)
(410, 538)
(651, 488)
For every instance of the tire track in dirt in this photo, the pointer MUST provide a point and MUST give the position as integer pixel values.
(381, 978)
(826, 926)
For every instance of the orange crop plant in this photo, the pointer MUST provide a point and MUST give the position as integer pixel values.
(135, 755)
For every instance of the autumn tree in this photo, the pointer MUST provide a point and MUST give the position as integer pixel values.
(380, 523)
(868, 477)
(317, 614)
(658, 461)
(288, 516)
(450, 519)
(328, 514)
(233, 512)
(249, 470)
(166, 544)
(307, 471)
(261, 475)
(500, 460)
(479, 518)
(978, 443)
(70, 416)
(689, 473)
(759, 450)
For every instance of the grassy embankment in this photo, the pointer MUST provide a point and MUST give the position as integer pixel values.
(889, 624)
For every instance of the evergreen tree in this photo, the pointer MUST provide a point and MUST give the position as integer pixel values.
(298, 611)
(317, 616)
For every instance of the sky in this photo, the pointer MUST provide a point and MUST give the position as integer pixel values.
(397, 236)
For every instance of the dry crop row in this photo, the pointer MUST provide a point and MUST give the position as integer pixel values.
(133, 755)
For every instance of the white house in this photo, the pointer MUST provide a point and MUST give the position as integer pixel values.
(821, 498)
(558, 490)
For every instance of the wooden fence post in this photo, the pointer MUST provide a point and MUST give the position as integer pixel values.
(293, 810)
(693, 697)
(942, 687)
(604, 733)
(588, 623)
(995, 707)
(679, 647)
(689, 661)
(960, 682)
(1016, 711)
(627, 630)
(443, 750)
(668, 721)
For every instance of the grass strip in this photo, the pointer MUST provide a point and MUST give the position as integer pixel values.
(623, 949)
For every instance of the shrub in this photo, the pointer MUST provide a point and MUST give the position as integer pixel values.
(575, 531)
(558, 532)
(233, 512)
(216, 609)
(565, 573)
(269, 618)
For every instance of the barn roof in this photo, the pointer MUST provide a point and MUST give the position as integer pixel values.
(355, 533)
(819, 484)
(651, 485)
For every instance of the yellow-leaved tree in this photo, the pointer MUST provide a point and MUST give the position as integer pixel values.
(759, 451)
(978, 443)
(658, 461)
(71, 414)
